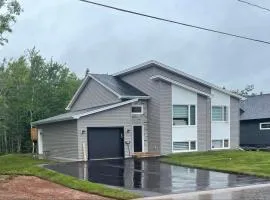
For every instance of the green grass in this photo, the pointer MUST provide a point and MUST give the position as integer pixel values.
(243, 162)
(17, 164)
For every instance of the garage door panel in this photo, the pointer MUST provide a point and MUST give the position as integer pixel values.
(105, 143)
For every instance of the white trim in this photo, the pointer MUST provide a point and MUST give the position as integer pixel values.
(180, 84)
(189, 150)
(77, 93)
(228, 113)
(188, 125)
(40, 142)
(142, 126)
(148, 63)
(219, 148)
(85, 81)
(264, 128)
(137, 113)
(104, 108)
(132, 97)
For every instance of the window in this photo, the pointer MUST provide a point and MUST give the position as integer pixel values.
(184, 115)
(220, 144)
(219, 113)
(265, 126)
(137, 110)
(184, 146)
(226, 143)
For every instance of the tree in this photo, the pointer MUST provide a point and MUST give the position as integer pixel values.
(247, 91)
(9, 10)
(31, 88)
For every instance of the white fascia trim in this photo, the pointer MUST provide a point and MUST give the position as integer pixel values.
(105, 86)
(77, 93)
(181, 85)
(83, 84)
(105, 108)
(136, 97)
(146, 64)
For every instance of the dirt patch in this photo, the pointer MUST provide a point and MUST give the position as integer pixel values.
(30, 187)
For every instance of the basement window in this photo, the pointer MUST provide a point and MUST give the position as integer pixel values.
(184, 146)
(220, 144)
(265, 126)
(137, 109)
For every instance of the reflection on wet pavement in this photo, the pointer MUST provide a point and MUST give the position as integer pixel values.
(153, 177)
(257, 192)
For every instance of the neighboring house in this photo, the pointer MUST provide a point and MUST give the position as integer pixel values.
(255, 121)
(147, 108)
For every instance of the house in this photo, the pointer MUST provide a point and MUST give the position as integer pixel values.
(255, 121)
(147, 108)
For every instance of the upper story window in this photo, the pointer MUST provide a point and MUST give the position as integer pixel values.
(265, 126)
(220, 113)
(138, 109)
(184, 115)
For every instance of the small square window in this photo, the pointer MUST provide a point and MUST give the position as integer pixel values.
(136, 110)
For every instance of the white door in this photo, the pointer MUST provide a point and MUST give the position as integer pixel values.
(40, 142)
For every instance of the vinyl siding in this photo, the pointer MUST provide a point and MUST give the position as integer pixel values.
(94, 95)
(203, 123)
(234, 122)
(141, 80)
(165, 117)
(159, 112)
(117, 117)
(251, 135)
(61, 139)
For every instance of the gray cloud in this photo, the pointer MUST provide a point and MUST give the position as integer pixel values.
(106, 41)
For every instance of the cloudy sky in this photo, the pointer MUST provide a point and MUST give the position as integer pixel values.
(105, 41)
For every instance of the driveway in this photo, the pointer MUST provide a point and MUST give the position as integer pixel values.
(150, 177)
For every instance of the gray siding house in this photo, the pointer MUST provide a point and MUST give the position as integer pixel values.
(255, 121)
(147, 108)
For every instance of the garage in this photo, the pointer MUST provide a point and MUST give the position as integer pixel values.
(105, 143)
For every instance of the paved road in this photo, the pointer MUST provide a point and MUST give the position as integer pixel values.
(253, 192)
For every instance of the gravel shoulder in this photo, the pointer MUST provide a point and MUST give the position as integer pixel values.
(30, 187)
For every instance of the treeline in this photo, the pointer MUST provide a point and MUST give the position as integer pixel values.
(31, 88)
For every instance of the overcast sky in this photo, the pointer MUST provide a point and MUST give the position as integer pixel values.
(106, 41)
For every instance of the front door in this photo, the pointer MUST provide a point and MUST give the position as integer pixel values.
(138, 138)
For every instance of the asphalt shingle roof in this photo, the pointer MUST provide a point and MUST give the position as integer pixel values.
(256, 107)
(118, 85)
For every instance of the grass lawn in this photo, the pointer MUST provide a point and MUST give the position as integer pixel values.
(244, 162)
(17, 164)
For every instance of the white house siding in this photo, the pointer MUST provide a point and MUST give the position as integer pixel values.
(181, 96)
(220, 130)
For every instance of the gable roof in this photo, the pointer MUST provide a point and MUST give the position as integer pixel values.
(166, 67)
(81, 113)
(256, 107)
(113, 84)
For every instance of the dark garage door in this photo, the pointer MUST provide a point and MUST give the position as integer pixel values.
(105, 143)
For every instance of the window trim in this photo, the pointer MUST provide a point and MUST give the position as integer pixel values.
(229, 144)
(188, 125)
(137, 113)
(189, 150)
(228, 114)
(263, 129)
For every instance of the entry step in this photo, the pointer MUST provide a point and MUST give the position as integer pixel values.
(145, 154)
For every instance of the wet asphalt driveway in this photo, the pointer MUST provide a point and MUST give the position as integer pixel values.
(151, 177)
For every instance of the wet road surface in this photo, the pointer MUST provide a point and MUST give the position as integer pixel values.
(151, 177)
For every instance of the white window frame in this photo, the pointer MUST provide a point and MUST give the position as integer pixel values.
(137, 113)
(189, 150)
(229, 144)
(188, 105)
(228, 114)
(261, 128)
